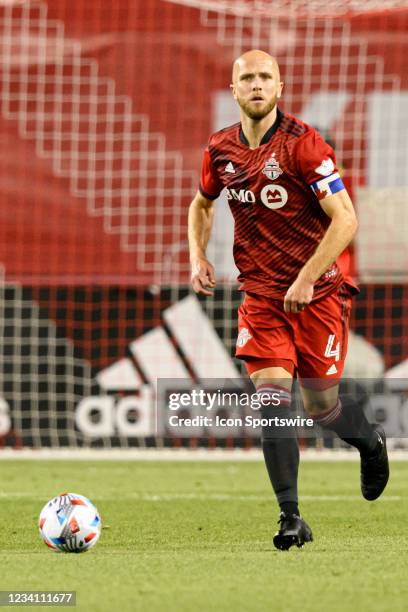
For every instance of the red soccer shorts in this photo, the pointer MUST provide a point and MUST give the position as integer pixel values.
(312, 342)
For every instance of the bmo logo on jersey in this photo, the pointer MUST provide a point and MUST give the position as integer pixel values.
(243, 195)
(272, 196)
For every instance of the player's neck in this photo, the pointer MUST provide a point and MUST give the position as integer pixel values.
(255, 129)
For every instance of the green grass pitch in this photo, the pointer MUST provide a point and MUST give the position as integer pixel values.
(192, 536)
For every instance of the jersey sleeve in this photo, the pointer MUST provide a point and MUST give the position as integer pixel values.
(316, 163)
(210, 184)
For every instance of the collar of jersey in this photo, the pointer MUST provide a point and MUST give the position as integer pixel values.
(268, 135)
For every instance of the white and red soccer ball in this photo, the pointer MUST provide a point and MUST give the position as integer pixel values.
(70, 523)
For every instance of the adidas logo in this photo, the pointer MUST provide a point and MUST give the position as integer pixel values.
(229, 168)
(130, 392)
(187, 327)
(332, 370)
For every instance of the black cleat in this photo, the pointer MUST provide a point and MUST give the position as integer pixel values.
(374, 468)
(293, 530)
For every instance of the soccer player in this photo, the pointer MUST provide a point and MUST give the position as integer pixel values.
(293, 218)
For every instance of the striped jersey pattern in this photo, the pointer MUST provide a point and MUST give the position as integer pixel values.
(273, 192)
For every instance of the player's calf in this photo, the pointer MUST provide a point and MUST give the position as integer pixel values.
(345, 417)
(279, 445)
(281, 453)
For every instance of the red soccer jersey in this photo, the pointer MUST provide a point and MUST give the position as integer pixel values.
(273, 192)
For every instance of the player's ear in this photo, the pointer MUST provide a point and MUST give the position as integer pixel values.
(280, 89)
(232, 88)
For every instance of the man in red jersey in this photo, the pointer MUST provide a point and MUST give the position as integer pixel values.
(293, 218)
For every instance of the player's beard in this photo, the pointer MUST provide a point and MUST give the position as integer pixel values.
(257, 114)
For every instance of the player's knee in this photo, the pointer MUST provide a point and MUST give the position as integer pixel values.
(317, 402)
(315, 408)
(262, 370)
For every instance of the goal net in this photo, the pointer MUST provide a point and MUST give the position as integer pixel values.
(105, 111)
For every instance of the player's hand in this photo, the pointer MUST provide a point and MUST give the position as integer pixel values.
(202, 276)
(298, 296)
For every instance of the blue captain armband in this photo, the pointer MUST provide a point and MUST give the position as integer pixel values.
(327, 186)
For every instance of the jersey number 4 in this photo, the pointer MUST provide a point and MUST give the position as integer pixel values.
(330, 351)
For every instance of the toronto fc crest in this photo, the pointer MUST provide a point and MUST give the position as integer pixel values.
(243, 337)
(272, 169)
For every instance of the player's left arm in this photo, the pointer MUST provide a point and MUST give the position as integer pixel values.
(339, 234)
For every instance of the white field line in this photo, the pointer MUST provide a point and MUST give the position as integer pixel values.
(166, 497)
(182, 454)
(251, 498)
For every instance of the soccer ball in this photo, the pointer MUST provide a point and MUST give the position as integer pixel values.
(70, 523)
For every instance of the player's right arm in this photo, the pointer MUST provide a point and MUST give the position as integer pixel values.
(200, 218)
